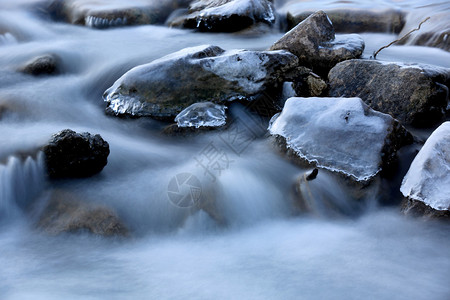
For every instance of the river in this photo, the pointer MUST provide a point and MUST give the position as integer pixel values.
(264, 252)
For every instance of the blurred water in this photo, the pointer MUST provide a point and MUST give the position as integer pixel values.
(264, 252)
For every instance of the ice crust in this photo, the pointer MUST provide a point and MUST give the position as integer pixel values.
(205, 114)
(340, 134)
(428, 178)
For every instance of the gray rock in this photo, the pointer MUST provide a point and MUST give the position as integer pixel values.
(71, 154)
(339, 134)
(225, 15)
(43, 65)
(65, 213)
(314, 42)
(413, 94)
(165, 87)
(106, 13)
(426, 186)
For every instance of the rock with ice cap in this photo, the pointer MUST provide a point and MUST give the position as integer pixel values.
(339, 134)
(316, 45)
(426, 186)
(226, 15)
(168, 85)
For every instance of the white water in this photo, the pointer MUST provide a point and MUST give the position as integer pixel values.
(265, 252)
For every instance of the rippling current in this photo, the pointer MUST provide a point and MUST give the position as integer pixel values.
(264, 252)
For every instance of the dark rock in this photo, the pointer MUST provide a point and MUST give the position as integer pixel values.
(314, 42)
(104, 14)
(416, 208)
(335, 134)
(354, 19)
(64, 213)
(426, 186)
(308, 84)
(165, 87)
(413, 94)
(71, 154)
(42, 65)
(225, 15)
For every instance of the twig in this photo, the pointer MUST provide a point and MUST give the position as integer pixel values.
(398, 40)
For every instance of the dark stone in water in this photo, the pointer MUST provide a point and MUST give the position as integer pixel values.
(71, 154)
(64, 213)
(42, 65)
(414, 94)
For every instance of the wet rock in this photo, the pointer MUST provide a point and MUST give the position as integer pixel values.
(225, 15)
(349, 18)
(433, 33)
(314, 42)
(42, 65)
(413, 94)
(339, 134)
(107, 13)
(205, 114)
(71, 154)
(426, 186)
(65, 213)
(308, 84)
(165, 87)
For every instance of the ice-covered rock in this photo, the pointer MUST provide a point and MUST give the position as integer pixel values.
(168, 85)
(204, 114)
(428, 178)
(225, 15)
(348, 16)
(113, 13)
(316, 45)
(339, 134)
(413, 94)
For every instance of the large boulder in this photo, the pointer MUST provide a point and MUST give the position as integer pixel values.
(426, 186)
(71, 154)
(65, 213)
(113, 13)
(225, 15)
(314, 42)
(339, 134)
(348, 16)
(168, 85)
(413, 94)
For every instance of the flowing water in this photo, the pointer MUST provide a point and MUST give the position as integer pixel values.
(264, 251)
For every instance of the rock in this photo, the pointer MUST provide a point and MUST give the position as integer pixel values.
(339, 134)
(42, 65)
(205, 114)
(314, 42)
(433, 33)
(350, 16)
(427, 183)
(113, 13)
(225, 15)
(165, 87)
(71, 154)
(64, 213)
(413, 94)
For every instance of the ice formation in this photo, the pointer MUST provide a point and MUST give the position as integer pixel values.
(205, 114)
(340, 134)
(428, 178)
